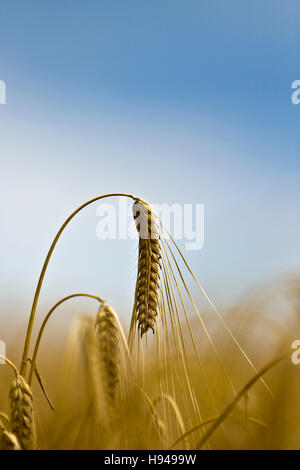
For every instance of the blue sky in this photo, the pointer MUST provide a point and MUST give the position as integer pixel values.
(174, 101)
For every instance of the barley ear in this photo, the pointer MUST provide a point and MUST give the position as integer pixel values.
(107, 333)
(148, 278)
(8, 440)
(21, 412)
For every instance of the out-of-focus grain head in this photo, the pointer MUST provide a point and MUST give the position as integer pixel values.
(108, 341)
(21, 412)
(8, 440)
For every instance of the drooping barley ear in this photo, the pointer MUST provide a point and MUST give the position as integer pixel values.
(21, 412)
(148, 279)
(108, 341)
(8, 440)
(157, 421)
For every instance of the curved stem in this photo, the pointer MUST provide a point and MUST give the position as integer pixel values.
(42, 275)
(38, 341)
(190, 431)
(231, 405)
(10, 363)
(177, 413)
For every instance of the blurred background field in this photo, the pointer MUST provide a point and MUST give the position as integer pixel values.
(265, 323)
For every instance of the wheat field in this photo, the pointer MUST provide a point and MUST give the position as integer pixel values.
(180, 374)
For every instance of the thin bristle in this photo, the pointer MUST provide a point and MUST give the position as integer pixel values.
(147, 285)
(21, 412)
